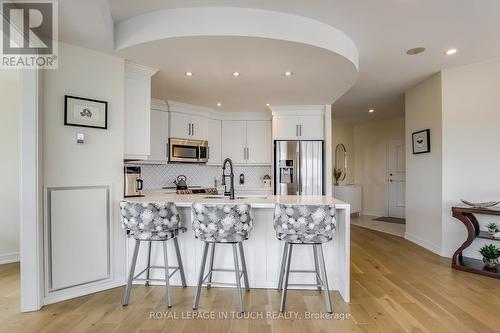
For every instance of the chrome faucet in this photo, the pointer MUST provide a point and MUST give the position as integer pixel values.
(230, 193)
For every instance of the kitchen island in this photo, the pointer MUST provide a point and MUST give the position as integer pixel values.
(263, 250)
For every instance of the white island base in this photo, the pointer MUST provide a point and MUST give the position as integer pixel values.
(263, 250)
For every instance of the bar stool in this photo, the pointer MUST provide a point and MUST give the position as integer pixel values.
(148, 222)
(304, 225)
(222, 224)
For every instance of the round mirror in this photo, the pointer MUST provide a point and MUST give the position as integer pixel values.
(340, 163)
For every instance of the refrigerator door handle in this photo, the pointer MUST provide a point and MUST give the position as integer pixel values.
(297, 170)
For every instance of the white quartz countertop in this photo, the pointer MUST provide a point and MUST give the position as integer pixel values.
(256, 201)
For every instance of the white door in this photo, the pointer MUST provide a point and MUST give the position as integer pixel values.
(286, 128)
(214, 142)
(311, 127)
(259, 146)
(159, 135)
(199, 128)
(180, 125)
(234, 140)
(396, 179)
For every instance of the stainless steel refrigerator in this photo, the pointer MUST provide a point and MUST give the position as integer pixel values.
(298, 168)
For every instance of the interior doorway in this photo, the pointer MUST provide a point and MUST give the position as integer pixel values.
(396, 179)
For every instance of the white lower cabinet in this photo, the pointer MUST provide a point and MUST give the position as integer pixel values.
(247, 141)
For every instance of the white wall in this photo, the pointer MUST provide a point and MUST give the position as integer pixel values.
(370, 156)
(471, 137)
(9, 165)
(343, 132)
(424, 171)
(90, 74)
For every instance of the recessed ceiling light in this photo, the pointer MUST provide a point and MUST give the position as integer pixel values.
(450, 51)
(415, 50)
(189, 73)
(288, 73)
(236, 74)
(268, 104)
(371, 110)
(219, 103)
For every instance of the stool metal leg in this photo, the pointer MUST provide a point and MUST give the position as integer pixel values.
(179, 263)
(149, 264)
(238, 277)
(243, 266)
(131, 272)
(167, 275)
(200, 278)
(316, 265)
(282, 268)
(326, 290)
(211, 265)
(285, 278)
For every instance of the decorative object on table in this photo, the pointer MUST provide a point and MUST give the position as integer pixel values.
(337, 174)
(480, 204)
(421, 141)
(492, 228)
(490, 255)
(459, 261)
(85, 112)
(267, 180)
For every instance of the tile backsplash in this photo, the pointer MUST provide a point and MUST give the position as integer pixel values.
(157, 176)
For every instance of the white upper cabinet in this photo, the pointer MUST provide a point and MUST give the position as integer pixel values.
(214, 142)
(159, 135)
(234, 140)
(187, 126)
(311, 127)
(259, 143)
(294, 127)
(247, 142)
(137, 110)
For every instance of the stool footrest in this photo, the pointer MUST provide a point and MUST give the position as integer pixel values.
(175, 270)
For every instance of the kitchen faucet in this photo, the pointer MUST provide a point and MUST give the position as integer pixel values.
(231, 176)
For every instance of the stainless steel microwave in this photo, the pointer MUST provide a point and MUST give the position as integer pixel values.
(187, 151)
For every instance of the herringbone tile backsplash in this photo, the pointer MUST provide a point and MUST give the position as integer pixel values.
(157, 176)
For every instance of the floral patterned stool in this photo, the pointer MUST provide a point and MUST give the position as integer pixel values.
(147, 222)
(221, 224)
(304, 225)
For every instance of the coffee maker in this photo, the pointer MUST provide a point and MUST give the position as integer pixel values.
(133, 182)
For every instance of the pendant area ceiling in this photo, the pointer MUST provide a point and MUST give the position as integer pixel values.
(382, 31)
(319, 76)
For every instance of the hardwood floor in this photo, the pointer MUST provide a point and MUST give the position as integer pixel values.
(396, 287)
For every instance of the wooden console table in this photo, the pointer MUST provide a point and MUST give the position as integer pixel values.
(466, 215)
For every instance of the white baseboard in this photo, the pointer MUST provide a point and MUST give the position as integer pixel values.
(372, 213)
(423, 243)
(7, 258)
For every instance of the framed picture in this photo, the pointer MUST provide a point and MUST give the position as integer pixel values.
(421, 142)
(85, 112)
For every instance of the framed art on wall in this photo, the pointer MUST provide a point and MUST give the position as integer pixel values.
(85, 112)
(421, 141)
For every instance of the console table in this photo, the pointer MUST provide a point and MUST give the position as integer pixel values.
(466, 215)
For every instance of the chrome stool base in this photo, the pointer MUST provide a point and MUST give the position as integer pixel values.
(166, 267)
(207, 279)
(319, 271)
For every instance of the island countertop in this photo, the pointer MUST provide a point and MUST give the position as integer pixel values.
(256, 201)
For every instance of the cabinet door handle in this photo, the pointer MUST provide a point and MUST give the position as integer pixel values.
(296, 130)
(300, 130)
(248, 153)
(192, 132)
(189, 129)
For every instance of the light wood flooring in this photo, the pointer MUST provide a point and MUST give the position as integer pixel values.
(396, 287)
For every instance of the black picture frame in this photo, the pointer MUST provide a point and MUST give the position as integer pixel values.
(67, 122)
(427, 136)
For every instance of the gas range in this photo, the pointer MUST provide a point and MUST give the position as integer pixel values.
(193, 190)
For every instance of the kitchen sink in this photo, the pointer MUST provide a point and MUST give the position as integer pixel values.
(236, 197)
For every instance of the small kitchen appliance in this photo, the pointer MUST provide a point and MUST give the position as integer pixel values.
(133, 183)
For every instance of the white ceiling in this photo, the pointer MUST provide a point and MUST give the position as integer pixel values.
(382, 31)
